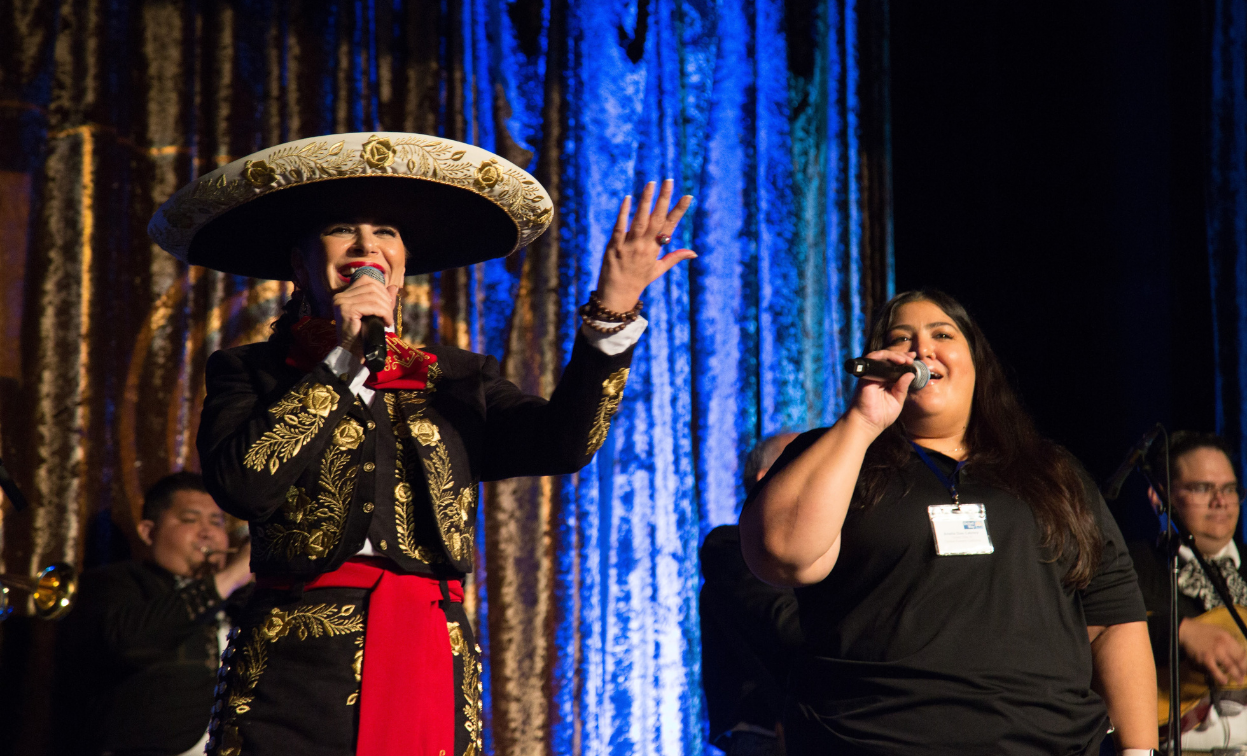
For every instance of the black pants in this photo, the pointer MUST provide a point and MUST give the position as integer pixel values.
(291, 679)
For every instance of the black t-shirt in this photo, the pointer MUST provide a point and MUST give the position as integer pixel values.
(911, 652)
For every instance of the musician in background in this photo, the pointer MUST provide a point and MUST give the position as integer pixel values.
(1206, 496)
(749, 631)
(137, 657)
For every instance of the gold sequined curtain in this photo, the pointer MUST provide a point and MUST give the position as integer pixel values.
(771, 111)
(113, 331)
(106, 108)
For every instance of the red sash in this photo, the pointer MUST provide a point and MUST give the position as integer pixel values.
(405, 366)
(407, 692)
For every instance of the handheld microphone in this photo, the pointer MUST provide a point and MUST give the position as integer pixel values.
(889, 371)
(373, 326)
(1112, 488)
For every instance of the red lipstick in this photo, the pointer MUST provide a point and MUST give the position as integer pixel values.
(345, 271)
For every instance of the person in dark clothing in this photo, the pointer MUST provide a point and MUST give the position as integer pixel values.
(1206, 499)
(137, 657)
(961, 585)
(358, 465)
(749, 630)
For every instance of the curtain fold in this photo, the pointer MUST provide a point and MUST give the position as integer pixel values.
(1227, 216)
(772, 113)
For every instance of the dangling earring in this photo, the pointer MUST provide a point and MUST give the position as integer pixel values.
(304, 306)
(398, 320)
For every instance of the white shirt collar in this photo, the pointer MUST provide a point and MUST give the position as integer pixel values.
(1230, 550)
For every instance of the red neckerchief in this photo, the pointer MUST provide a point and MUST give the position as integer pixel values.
(405, 366)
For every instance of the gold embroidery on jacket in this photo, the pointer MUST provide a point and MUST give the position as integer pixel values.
(612, 394)
(424, 431)
(308, 528)
(302, 413)
(402, 492)
(349, 434)
(357, 667)
(473, 688)
(315, 620)
(452, 509)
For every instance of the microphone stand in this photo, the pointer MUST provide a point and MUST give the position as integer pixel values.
(10, 489)
(1174, 537)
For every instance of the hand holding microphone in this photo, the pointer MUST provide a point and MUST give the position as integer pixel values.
(362, 311)
(880, 397)
(864, 367)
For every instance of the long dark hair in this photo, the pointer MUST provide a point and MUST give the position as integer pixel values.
(282, 334)
(1005, 449)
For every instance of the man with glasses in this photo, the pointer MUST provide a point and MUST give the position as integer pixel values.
(1206, 496)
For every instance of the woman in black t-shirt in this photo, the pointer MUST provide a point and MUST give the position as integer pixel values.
(962, 587)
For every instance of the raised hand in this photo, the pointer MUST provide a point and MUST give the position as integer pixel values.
(237, 571)
(631, 261)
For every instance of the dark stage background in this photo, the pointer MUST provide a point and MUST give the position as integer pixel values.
(1067, 169)
(1048, 166)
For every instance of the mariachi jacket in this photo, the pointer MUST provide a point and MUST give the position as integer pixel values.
(316, 471)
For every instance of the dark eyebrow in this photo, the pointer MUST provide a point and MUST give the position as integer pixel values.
(929, 325)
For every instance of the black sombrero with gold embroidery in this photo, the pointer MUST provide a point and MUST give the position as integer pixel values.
(455, 204)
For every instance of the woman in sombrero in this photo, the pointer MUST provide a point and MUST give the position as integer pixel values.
(360, 485)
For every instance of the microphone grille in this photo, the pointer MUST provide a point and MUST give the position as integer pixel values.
(367, 270)
(922, 374)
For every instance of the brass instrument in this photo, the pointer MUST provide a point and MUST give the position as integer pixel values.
(53, 591)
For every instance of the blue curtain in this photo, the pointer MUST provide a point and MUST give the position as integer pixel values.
(586, 590)
(743, 342)
(1227, 217)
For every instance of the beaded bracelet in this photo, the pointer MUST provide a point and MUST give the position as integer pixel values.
(597, 326)
(594, 313)
(596, 310)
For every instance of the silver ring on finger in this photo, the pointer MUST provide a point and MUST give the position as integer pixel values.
(664, 239)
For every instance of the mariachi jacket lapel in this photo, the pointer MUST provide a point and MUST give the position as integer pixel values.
(431, 439)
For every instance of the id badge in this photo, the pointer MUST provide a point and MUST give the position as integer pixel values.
(960, 530)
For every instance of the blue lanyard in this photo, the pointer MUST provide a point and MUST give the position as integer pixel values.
(944, 479)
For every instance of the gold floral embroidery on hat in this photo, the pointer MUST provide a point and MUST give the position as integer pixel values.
(415, 155)
(489, 174)
(259, 173)
(377, 152)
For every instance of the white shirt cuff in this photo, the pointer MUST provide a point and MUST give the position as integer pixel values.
(342, 363)
(617, 342)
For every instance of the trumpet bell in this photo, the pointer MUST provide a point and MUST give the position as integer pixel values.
(53, 591)
(56, 588)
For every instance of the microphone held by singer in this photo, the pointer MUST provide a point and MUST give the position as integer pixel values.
(374, 327)
(863, 367)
